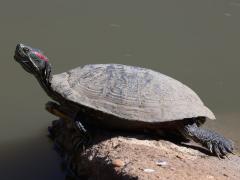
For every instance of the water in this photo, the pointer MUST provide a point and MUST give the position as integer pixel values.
(196, 42)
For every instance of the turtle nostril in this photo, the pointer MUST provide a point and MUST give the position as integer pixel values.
(19, 45)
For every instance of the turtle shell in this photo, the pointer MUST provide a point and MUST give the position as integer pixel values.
(129, 92)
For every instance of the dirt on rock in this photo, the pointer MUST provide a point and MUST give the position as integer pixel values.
(114, 155)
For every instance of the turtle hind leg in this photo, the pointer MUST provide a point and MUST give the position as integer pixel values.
(214, 142)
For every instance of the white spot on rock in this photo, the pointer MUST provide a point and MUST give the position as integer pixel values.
(149, 170)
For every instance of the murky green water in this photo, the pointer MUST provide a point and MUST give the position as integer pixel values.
(196, 42)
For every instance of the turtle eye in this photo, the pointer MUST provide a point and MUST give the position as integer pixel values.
(26, 50)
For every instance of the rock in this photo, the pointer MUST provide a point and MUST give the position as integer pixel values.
(127, 156)
(118, 163)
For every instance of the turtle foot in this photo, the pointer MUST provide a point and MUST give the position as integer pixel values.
(214, 142)
(220, 146)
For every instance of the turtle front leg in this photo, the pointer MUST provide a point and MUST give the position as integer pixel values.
(56, 110)
(214, 142)
(82, 138)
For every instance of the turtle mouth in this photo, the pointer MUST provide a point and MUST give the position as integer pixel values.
(17, 57)
(21, 59)
(19, 54)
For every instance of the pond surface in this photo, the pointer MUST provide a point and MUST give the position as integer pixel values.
(196, 42)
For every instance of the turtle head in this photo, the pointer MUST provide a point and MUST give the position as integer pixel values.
(32, 60)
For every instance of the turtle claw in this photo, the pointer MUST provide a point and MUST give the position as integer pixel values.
(216, 151)
(229, 148)
(220, 147)
(227, 156)
(78, 142)
(209, 146)
(222, 150)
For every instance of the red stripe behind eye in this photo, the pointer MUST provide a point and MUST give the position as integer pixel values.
(42, 57)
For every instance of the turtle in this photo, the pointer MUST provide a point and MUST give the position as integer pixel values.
(125, 98)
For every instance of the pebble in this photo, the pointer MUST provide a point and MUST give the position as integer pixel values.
(118, 163)
(179, 157)
(225, 175)
(148, 170)
(161, 163)
(210, 177)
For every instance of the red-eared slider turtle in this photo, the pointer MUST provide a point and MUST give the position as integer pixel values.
(125, 98)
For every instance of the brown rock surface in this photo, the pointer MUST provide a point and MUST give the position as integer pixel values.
(135, 157)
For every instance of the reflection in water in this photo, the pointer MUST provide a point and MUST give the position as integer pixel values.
(32, 159)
